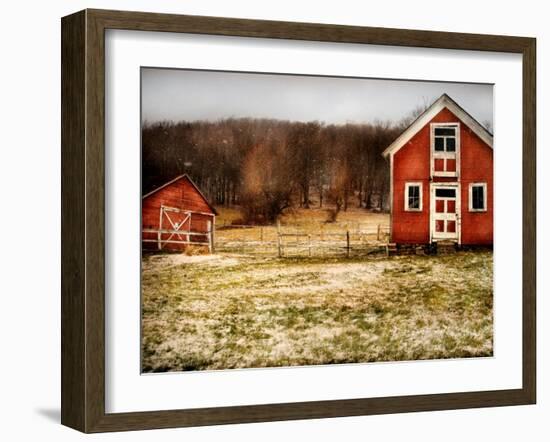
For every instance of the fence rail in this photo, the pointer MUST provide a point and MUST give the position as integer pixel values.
(175, 232)
(181, 237)
(290, 241)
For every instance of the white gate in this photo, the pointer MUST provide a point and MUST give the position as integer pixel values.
(175, 228)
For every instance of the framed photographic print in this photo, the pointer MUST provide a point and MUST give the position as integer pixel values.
(267, 221)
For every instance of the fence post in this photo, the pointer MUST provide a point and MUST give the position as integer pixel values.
(279, 245)
(159, 234)
(309, 244)
(378, 233)
(261, 234)
(210, 234)
(347, 243)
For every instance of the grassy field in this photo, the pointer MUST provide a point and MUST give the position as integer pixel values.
(236, 311)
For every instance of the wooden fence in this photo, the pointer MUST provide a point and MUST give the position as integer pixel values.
(294, 240)
(181, 237)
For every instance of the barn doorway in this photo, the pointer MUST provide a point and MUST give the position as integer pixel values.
(174, 226)
(444, 212)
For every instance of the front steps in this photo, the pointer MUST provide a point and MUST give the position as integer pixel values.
(446, 247)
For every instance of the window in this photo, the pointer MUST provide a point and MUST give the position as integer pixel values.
(445, 139)
(413, 197)
(478, 197)
(445, 146)
(445, 193)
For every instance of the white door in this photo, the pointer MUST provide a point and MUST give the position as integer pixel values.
(445, 210)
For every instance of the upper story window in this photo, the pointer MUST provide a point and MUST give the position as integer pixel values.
(445, 146)
(444, 139)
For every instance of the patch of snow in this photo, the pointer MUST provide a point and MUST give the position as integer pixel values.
(211, 260)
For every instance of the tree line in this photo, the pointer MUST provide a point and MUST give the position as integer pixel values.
(266, 166)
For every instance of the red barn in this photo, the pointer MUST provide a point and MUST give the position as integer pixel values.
(441, 172)
(176, 215)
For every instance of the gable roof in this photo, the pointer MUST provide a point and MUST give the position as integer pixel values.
(191, 182)
(437, 106)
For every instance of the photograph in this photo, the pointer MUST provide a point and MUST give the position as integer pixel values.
(300, 220)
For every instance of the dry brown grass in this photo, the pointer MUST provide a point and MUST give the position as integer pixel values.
(310, 217)
(361, 224)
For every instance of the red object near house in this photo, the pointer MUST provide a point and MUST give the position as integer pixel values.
(175, 216)
(441, 172)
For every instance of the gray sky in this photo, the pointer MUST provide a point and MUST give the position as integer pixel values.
(175, 94)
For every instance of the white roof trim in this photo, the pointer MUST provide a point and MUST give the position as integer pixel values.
(441, 103)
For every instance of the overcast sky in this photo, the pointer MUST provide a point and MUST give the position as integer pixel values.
(175, 94)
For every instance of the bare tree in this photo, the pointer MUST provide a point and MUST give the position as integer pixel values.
(338, 192)
(415, 113)
(267, 187)
(303, 143)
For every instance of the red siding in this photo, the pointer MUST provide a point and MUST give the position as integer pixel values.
(411, 163)
(181, 194)
(476, 166)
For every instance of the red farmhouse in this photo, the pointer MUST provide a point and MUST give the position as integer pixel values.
(441, 172)
(175, 216)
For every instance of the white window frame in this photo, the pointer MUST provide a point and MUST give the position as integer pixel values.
(445, 155)
(471, 197)
(413, 184)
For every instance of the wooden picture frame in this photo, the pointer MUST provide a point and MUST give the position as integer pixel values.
(83, 220)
